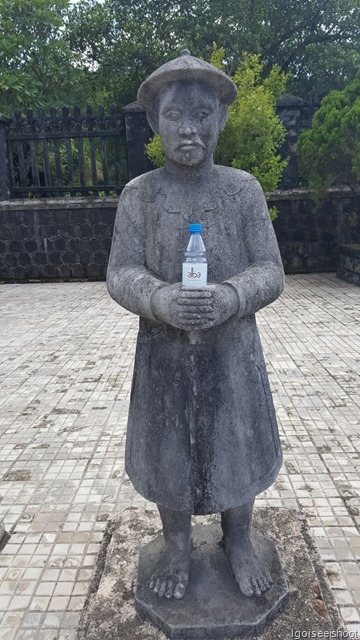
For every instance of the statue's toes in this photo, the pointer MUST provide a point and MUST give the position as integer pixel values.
(265, 582)
(179, 590)
(162, 588)
(169, 591)
(255, 582)
(246, 587)
(157, 585)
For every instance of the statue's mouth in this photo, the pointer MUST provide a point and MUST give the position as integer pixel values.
(188, 145)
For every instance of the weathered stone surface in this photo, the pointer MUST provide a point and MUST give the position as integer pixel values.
(291, 110)
(213, 606)
(2, 529)
(219, 392)
(194, 445)
(109, 612)
(202, 436)
(48, 239)
(309, 238)
(349, 263)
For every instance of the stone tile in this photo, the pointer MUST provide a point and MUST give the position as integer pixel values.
(45, 589)
(59, 603)
(39, 603)
(51, 575)
(19, 603)
(32, 574)
(80, 589)
(68, 575)
(51, 621)
(32, 619)
(8, 633)
(70, 620)
(350, 614)
(12, 619)
(48, 634)
(353, 581)
(343, 597)
(25, 634)
(76, 603)
(64, 589)
(4, 602)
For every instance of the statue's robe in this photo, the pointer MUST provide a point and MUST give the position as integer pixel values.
(202, 434)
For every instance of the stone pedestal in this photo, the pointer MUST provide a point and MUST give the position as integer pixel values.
(213, 607)
(110, 614)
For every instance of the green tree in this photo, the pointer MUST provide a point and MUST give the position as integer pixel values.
(316, 41)
(329, 152)
(38, 67)
(122, 42)
(253, 134)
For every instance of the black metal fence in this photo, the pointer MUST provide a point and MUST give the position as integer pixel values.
(63, 153)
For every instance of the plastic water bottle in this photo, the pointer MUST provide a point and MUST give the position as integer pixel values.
(194, 273)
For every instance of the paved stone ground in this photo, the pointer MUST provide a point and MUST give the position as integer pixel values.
(66, 353)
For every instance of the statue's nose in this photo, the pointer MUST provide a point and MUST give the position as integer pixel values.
(187, 129)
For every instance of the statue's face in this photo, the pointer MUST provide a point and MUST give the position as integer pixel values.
(189, 122)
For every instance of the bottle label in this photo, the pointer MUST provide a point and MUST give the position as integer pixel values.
(194, 274)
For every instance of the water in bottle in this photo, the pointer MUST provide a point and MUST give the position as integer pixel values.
(194, 273)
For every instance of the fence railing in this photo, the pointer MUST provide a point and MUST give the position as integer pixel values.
(65, 153)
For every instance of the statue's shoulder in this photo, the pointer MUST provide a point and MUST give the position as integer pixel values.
(144, 187)
(234, 181)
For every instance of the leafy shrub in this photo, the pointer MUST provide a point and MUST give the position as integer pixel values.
(155, 151)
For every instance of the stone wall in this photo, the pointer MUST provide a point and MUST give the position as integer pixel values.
(349, 263)
(309, 240)
(70, 238)
(62, 238)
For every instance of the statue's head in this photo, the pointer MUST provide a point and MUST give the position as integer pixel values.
(186, 102)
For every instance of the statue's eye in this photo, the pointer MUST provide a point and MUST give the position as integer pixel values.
(202, 115)
(172, 114)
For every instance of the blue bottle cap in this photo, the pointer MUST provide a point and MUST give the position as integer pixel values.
(195, 228)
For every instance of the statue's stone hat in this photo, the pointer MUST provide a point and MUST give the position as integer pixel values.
(186, 67)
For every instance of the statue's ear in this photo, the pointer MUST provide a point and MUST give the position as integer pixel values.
(223, 116)
(153, 119)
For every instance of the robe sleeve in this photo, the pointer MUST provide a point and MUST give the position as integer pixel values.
(129, 282)
(263, 281)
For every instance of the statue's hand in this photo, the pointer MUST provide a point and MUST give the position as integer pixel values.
(194, 309)
(185, 309)
(221, 305)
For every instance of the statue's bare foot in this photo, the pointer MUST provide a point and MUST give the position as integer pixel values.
(171, 575)
(249, 572)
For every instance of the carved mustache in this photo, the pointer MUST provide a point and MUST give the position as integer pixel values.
(190, 143)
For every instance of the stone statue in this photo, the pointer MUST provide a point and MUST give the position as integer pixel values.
(202, 435)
